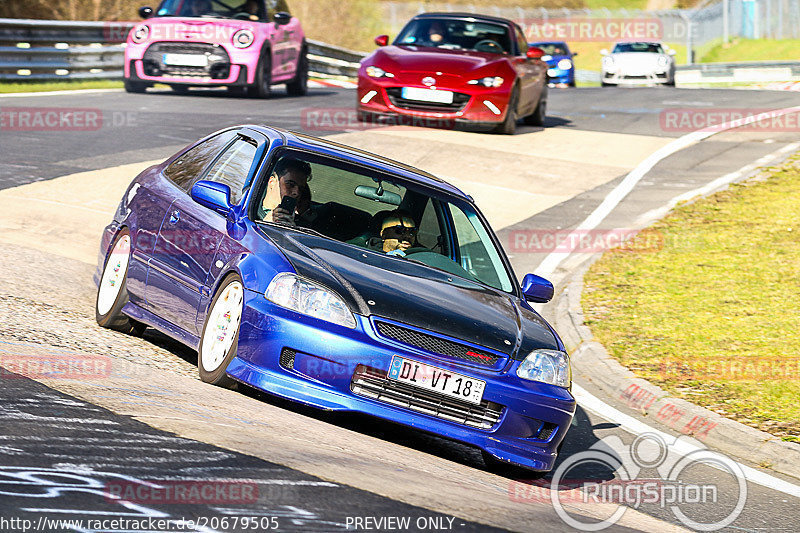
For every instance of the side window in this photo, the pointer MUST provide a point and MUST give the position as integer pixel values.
(522, 43)
(482, 262)
(430, 229)
(188, 167)
(233, 167)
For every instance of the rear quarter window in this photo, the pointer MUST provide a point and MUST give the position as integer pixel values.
(190, 165)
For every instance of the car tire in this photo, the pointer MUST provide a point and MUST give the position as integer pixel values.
(539, 114)
(509, 124)
(299, 85)
(220, 336)
(135, 86)
(179, 89)
(604, 84)
(112, 292)
(262, 88)
(236, 91)
(572, 83)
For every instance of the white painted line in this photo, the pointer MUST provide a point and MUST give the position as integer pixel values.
(682, 447)
(612, 200)
(656, 214)
(58, 93)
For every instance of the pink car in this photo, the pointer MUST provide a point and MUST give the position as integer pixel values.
(246, 46)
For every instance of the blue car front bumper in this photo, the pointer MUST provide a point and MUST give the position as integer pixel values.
(557, 75)
(336, 368)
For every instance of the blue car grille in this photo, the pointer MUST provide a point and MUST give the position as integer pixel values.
(433, 344)
(373, 383)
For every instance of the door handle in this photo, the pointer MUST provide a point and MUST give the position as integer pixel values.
(174, 217)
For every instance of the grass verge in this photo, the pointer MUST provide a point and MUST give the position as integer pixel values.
(712, 316)
(35, 87)
(753, 50)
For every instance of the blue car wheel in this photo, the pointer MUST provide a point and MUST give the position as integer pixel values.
(220, 336)
(112, 293)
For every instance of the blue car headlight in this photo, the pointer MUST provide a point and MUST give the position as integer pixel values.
(565, 64)
(293, 292)
(547, 366)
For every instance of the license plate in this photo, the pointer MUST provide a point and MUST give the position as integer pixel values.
(427, 95)
(185, 60)
(436, 379)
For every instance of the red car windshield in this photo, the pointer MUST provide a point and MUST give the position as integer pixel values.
(455, 34)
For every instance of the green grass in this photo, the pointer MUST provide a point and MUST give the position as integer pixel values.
(753, 50)
(31, 87)
(724, 289)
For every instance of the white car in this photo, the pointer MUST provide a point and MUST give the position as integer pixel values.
(632, 63)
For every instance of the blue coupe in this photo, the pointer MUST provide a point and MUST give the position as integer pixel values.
(336, 278)
(558, 57)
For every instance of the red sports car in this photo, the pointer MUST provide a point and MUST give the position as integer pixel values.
(455, 67)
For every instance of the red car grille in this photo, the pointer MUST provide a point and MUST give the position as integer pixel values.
(459, 101)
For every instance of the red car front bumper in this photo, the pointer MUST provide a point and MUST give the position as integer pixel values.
(475, 105)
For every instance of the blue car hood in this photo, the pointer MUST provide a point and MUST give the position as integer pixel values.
(374, 284)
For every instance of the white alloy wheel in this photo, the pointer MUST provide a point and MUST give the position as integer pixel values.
(222, 326)
(113, 275)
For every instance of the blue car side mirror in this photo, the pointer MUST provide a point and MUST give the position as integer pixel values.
(216, 196)
(537, 289)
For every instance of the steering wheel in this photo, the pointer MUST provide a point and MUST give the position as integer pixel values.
(488, 45)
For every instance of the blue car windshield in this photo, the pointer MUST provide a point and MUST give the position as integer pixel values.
(455, 34)
(382, 213)
(553, 49)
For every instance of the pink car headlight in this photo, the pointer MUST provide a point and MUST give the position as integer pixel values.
(140, 34)
(243, 38)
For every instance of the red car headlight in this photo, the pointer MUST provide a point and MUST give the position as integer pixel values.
(377, 72)
(488, 81)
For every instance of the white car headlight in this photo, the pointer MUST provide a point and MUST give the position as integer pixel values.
(547, 366)
(608, 61)
(293, 292)
(140, 34)
(377, 72)
(565, 64)
(488, 81)
(663, 61)
(243, 38)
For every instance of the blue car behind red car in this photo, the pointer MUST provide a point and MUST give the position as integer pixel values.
(558, 57)
(341, 280)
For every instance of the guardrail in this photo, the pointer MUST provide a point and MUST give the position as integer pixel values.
(738, 72)
(49, 50)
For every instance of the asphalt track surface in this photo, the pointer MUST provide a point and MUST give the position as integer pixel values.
(41, 428)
